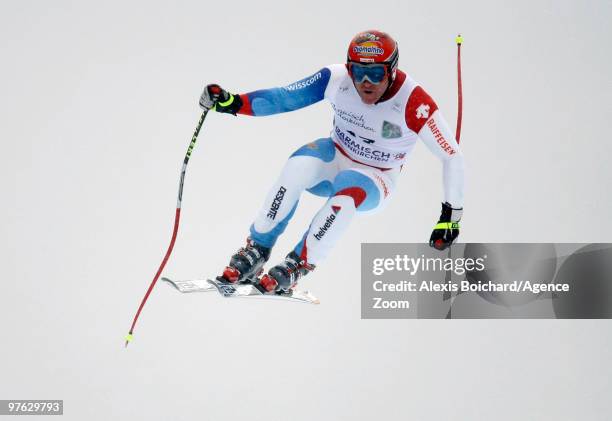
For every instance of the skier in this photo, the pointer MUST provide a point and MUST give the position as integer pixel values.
(379, 112)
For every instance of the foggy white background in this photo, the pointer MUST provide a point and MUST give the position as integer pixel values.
(98, 103)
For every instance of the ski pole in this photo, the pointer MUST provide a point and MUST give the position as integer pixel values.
(459, 41)
(177, 217)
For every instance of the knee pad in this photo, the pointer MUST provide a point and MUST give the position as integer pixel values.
(323, 149)
(359, 186)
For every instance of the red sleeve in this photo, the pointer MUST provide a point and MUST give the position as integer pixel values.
(419, 108)
(246, 105)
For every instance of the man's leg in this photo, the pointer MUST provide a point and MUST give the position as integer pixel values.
(311, 166)
(354, 191)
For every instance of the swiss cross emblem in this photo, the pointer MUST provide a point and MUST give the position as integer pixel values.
(422, 111)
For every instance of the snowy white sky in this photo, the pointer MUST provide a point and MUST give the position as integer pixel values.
(98, 103)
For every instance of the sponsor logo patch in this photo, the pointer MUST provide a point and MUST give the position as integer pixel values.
(368, 49)
(368, 45)
(391, 131)
(303, 83)
(365, 37)
(383, 184)
(227, 289)
(280, 195)
(440, 138)
(326, 226)
(361, 150)
(350, 117)
(422, 111)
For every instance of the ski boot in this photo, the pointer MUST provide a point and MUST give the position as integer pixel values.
(284, 276)
(246, 264)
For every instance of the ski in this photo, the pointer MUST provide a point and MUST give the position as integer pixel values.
(197, 285)
(242, 290)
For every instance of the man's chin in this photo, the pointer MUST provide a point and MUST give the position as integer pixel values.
(369, 101)
(368, 98)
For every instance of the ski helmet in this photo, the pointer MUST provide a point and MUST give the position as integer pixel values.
(374, 47)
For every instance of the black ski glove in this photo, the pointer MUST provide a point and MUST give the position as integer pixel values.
(216, 98)
(447, 228)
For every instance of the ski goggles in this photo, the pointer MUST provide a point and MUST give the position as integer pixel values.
(373, 73)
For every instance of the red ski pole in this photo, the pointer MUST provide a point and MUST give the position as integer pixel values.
(177, 217)
(459, 40)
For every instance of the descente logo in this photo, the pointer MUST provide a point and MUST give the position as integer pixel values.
(303, 83)
(328, 223)
(276, 203)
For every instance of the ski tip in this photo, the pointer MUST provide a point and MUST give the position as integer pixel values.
(128, 339)
(311, 298)
(171, 282)
(459, 39)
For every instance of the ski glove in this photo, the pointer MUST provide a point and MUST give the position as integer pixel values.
(447, 228)
(216, 98)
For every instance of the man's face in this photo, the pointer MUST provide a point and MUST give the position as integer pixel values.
(370, 80)
(369, 92)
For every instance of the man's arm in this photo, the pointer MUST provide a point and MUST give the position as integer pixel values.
(294, 96)
(423, 117)
(263, 102)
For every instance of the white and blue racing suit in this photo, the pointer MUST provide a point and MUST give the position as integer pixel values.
(357, 166)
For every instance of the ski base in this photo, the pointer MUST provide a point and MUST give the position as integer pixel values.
(241, 290)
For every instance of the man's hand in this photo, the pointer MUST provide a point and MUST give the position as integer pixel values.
(447, 228)
(216, 98)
